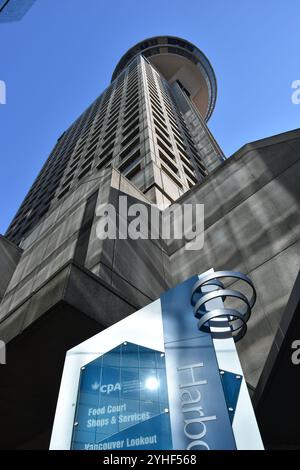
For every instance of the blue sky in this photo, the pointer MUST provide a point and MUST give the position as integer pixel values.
(60, 57)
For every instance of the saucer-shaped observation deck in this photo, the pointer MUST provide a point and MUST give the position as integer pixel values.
(178, 60)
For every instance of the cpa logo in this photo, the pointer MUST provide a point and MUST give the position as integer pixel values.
(296, 353)
(106, 388)
(2, 353)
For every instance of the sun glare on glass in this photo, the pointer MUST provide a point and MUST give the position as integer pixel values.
(152, 383)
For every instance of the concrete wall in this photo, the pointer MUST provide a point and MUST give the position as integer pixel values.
(138, 268)
(45, 251)
(252, 225)
(133, 273)
(9, 257)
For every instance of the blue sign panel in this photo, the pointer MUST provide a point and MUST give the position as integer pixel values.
(123, 401)
(199, 412)
(231, 386)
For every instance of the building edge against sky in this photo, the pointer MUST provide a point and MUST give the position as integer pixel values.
(14, 10)
(146, 137)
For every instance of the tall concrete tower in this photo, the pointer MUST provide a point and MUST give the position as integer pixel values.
(150, 124)
(145, 137)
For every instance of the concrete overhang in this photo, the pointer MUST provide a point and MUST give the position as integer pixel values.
(178, 61)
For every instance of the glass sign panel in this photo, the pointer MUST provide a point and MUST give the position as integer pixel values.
(123, 401)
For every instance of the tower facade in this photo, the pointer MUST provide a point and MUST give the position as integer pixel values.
(150, 124)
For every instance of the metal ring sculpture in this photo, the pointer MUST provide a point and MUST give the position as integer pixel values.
(222, 322)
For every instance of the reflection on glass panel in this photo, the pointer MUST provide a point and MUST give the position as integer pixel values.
(147, 359)
(130, 383)
(123, 401)
(112, 359)
(130, 355)
(149, 385)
